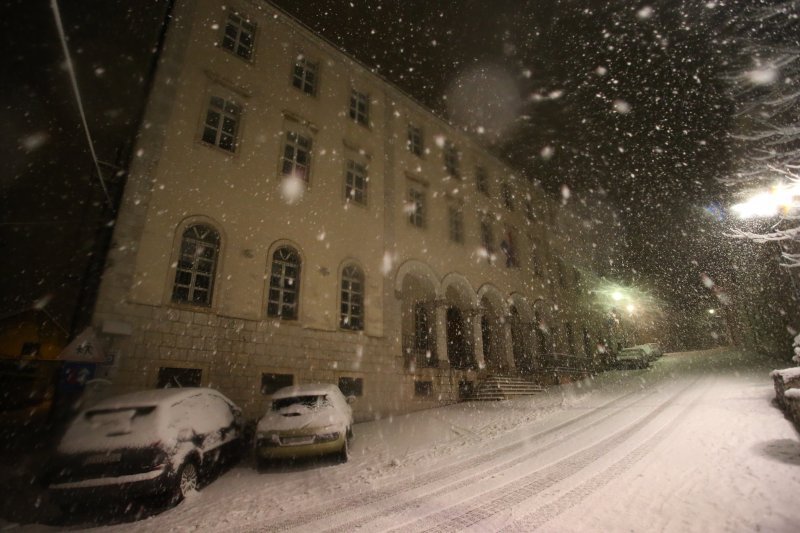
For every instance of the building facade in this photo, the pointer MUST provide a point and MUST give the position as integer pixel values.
(292, 217)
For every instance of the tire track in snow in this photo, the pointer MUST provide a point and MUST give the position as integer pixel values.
(577, 495)
(500, 499)
(439, 474)
(472, 479)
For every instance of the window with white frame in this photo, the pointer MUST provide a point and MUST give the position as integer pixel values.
(359, 107)
(222, 123)
(239, 35)
(304, 75)
(416, 206)
(351, 312)
(284, 284)
(415, 140)
(296, 159)
(456, 223)
(355, 183)
(451, 159)
(196, 266)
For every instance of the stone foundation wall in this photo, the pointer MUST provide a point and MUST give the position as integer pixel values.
(233, 353)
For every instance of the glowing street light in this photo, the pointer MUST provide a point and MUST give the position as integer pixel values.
(779, 199)
(712, 311)
(617, 296)
(630, 308)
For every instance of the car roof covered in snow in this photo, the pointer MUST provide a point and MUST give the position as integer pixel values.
(306, 389)
(153, 397)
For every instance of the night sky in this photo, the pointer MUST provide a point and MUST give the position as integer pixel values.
(619, 99)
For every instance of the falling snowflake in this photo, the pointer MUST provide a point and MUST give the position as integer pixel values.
(622, 107)
(292, 189)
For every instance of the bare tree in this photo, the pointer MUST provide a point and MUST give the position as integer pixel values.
(765, 85)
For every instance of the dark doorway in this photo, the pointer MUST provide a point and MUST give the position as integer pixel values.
(458, 347)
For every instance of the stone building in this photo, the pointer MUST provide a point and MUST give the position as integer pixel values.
(291, 217)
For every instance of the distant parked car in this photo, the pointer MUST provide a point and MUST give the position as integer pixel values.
(653, 349)
(145, 444)
(303, 421)
(632, 358)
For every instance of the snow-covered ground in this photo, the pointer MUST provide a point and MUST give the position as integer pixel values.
(692, 444)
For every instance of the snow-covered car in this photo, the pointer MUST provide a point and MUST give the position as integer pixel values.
(154, 443)
(305, 420)
(653, 350)
(633, 358)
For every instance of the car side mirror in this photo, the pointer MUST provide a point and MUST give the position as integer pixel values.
(351, 399)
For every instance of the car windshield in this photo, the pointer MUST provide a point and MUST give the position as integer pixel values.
(314, 401)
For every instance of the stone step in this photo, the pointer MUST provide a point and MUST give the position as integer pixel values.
(498, 387)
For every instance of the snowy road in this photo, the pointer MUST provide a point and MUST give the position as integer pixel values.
(692, 444)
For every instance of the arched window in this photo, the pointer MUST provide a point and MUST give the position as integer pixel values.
(351, 315)
(284, 284)
(197, 266)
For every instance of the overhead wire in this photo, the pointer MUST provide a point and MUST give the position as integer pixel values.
(76, 91)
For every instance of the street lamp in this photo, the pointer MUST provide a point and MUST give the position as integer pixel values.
(617, 296)
(779, 198)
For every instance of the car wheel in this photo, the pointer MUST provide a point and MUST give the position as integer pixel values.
(186, 483)
(344, 454)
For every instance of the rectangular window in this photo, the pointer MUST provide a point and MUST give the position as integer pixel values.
(359, 107)
(456, 223)
(487, 237)
(562, 276)
(239, 35)
(351, 386)
(222, 123)
(416, 207)
(296, 159)
(509, 247)
(536, 261)
(355, 183)
(508, 197)
(270, 383)
(423, 388)
(304, 75)
(30, 349)
(415, 143)
(169, 377)
(451, 159)
(482, 180)
(570, 337)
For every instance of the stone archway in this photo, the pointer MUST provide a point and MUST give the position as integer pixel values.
(418, 290)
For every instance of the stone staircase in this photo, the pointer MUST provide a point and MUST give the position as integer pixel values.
(494, 388)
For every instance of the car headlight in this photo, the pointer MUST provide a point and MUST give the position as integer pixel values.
(327, 437)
